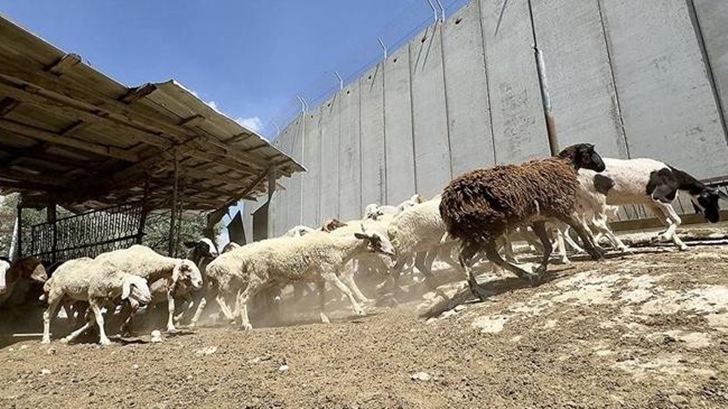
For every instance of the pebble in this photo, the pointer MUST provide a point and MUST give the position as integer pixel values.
(135, 366)
(45, 371)
(459, 308)
(156, 336)
(421, 376)
(283, 368)
(22, 347)
(51, 351)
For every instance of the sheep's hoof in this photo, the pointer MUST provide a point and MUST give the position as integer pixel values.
(65, 340)
(684, 247)
(45, 341)
(325, 319)
(360, 312)
(479, 292)
(246, 327)
(171, 330)
(105, 341)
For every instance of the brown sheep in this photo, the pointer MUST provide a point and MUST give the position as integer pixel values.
(480, 206)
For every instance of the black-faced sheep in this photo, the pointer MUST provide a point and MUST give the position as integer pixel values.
(656, 184)
(482, 205)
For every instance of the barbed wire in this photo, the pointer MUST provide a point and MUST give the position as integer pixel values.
(399, 31)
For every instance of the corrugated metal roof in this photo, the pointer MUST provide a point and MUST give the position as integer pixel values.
(69, 131)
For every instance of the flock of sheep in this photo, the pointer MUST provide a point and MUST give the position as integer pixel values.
(472, 220)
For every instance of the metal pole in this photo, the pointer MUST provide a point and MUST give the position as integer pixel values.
(442, 10)
(144, 211)
(545, 96)
(341, 80)
(384, 47)
(304, 105)
(434, 10)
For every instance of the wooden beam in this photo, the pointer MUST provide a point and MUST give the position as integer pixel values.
(193, 120)
(7, 105)
(32, 95)
(74, 92)
(138, 93)
(45, 156)
(79, 125)
(46, 136)
(35, 178)
(65, 63)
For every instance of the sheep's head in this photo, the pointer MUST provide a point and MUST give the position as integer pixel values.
(370, 211)
(417, 198)
(707, 203)
(583, 156)
(187, 272)
(332, 224)
(135, 288)
(203, 247)
(30, 268)
(376, 241)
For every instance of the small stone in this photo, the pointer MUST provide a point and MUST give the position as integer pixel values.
(22, 347)
(156, 336)
(135, 366)
(45, 371)
(255, 360)
(459, 308)
(207, 351)
(283, 368)
(421, 376)
(51, 351)
(11, 349)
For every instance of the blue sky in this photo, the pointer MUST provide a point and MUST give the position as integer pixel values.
(247, 58)
(250, 58)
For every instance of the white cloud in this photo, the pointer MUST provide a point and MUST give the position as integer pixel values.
(253, 123)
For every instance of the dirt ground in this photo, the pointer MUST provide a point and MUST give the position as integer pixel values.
(647, 330)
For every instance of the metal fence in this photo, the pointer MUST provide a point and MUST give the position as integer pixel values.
(84, 235)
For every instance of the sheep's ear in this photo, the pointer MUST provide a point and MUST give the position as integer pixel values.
(361, 236)
(723, 195)
(125, 288)
(190, 244)
(176, 271)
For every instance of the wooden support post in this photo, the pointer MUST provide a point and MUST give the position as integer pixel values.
(51, 218)
(172, 246)
(19, 231)
(144, 211)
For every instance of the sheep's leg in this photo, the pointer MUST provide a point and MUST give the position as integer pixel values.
(72, 336)
(673, 222)
(131, 306)
(539, 228)
(220, 298)
(96, 309)
(244, 298)
(560, 246)
(594, 251)
(348, 277)
(508, 249)
(330, 277)
(466, 262)
(198, 313)
(321, 285)
(53, 304)
(603, 227)
(492, 253)
(567, 237)
(170, 309)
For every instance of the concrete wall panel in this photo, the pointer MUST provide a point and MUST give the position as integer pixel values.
(432, 145)
(667, 101)
(713, 20)
(311, 192)
(579, 75)
(294, 187)
(471, 140)
(329, 182)
(519, 126)
(398, 128)
(349, 154)
(373, 188)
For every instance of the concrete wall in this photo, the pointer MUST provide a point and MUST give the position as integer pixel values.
(637, 78)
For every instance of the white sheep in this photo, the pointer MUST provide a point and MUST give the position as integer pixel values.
(145, 262)
(374, 211)
(317, 257)
(97, 282)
